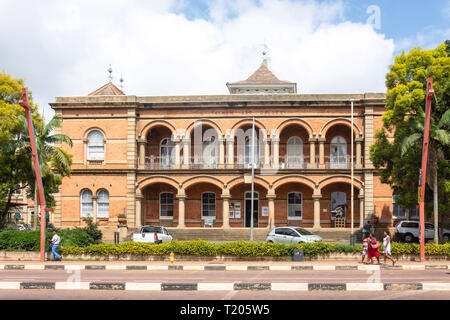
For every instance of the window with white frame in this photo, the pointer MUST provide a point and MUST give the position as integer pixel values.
(294, 205)
(294, 152)
(167, 149)
(208, 204)
(87, 204)
(95, 146)
(338, 152)
(102, 204)
(210, 152)
(397, 211)
(166, 205)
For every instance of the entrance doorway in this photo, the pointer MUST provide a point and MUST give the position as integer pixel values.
(248, 208)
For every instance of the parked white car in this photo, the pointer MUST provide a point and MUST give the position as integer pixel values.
(289, 235)
(408, 231)
(152, 234)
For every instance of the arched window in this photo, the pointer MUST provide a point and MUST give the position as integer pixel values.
(208, 204)
(87, 204)
(210, 152)
(338, 153)
(95, 146)
(294, 205)
(166, 205)
(167, 149)
(294, 153)
(338, 205)
(251, 146)
(102, 204)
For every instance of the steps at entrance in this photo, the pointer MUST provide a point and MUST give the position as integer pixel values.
(218, 234)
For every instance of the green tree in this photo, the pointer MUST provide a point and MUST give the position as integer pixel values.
(16, 167)
(439, 140)
(406, 84)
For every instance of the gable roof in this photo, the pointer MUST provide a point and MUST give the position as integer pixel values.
(108, 89)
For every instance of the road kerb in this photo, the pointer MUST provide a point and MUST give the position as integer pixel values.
(72, 285)
(289, 286)
(10, 285)
(204, 286)
(427, 286)
(365, 287)
(136, 286)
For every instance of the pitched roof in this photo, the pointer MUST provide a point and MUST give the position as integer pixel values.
(262, 76)
(108, 89)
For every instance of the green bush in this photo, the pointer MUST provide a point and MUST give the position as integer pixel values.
(15, 240)
(240, 248)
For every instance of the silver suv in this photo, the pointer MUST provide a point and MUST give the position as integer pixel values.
(289, 235)
(408, 231)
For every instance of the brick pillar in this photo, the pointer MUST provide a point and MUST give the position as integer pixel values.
(230, 151)
(181, 196)
(139, 198)
(141, 143)
(362, 217)
(321, 152)
(266, 153)
(177, 153)
(221, 152)
(186, 153)
(271, 197)
(317, 196)
(94, 209)
(358, 153)
(312, 152)
(226, 208)
(276, 152)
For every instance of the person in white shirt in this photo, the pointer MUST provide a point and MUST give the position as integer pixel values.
(387, 248)
(56, 240)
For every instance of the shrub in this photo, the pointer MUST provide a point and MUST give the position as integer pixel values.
(240, 248)
(15, 240)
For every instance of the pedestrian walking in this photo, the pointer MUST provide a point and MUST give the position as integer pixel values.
(387, 248)
(373, 249)
(365, 247)
(56, 240)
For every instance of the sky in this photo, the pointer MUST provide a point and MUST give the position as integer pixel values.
(182, 47)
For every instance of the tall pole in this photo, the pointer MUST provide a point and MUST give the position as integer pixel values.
(351, 170)
(37, 170)
(423, 172)
(253, 179)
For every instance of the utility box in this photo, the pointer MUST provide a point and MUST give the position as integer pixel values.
(298, 255)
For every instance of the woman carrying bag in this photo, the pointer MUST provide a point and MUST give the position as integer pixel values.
(373, 249)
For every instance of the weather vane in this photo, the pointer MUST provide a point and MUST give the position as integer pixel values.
(265, 52)
(121, 82)
(110, 73)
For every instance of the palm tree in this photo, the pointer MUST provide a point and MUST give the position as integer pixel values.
(54, 162)
(439, 139)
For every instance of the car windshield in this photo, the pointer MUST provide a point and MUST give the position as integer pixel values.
(304, 232)
(151, 230)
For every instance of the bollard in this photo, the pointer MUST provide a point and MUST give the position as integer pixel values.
(172, 258)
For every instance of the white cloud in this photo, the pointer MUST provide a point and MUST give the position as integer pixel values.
(64, 49)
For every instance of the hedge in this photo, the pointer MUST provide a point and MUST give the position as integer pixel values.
(241, 249)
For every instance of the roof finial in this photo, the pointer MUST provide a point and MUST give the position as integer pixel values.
(110, 73)
(121, 82)
(265, 52)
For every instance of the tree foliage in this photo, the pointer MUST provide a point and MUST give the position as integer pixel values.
(16, 168)
(406, 84)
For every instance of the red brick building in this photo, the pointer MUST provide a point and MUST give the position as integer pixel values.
(185, 161)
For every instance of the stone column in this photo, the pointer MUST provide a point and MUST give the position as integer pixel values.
(312, 152)
(221, 152)
(181, 196)
(276, 152)
(139, 198)
(177, 163)
(358, 153)
(362, 216)
(94, 208)
(85, 141)
(186, 153)
(266, 153)
(230, 151)
(271, 197)
(321, 152)
(142, 142)
(317, 196)
(226, 208)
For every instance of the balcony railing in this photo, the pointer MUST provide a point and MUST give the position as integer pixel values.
(243, 162)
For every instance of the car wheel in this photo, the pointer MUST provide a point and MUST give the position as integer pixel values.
(409, 238)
